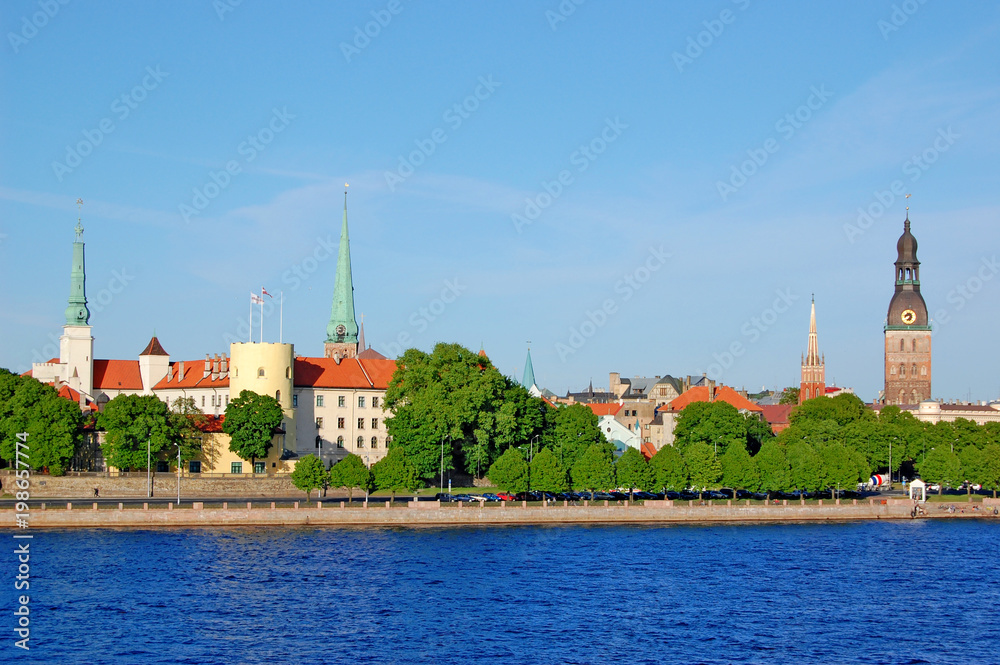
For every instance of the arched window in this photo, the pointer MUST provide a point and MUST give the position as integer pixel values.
(374, 442)
(260, 372)
(361, 442)
(923, 370)
(914, 346)
(901, 343)
(902, 396)
(288, 372)
(277, 395)
(902, 371)
(340, 442)
(913, 370)
(892, 370)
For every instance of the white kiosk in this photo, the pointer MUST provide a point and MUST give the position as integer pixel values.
(918, 486)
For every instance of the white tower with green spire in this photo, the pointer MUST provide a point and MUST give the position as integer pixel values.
(342, 330)
(76, 345)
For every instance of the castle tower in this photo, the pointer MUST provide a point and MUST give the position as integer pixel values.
(266, 369)
(907, 330)
(813, 381)
(342, 330)
(76, 345)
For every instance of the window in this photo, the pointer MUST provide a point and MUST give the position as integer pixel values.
(295, 401)
(288, 372)
(319, 423)
(901, 343)
(319, 400)
(361, 442)
(361, 423)
(374, 442)
(923, 371)
(340, 423)
(236, 467)
(227, 400)
(260, 372)
(341, 401)
(914, 347)
(203, 400)
(902, 371)
(194, 466)
(213, 400)
(892, 370)
(374, 402)
(260, 467)
(162, 467)
(913, 370)
(374, 423)
(277, 395)
(340, 442)
(361, 401)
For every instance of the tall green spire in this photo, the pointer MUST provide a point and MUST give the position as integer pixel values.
(529, 373)
(77, 313)
(343, 328)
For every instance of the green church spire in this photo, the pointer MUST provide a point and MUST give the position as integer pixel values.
(529, 373)
(77, 313)
(343, 328)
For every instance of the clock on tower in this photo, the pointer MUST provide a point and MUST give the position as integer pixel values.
(907, 330)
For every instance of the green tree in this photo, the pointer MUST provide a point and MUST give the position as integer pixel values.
(594, 469)
(941, 466)
(842, 409)
(395, 472)
(714, 423)
(510, 472)
(310, 474)
(775, 473)
(349, 473)
(842, 467)
(632, 471)
(739, 471)
(135, 425)
(991, 467)
(702, 465)
(53, 423)
(576, 429)
(251, 420)
(670, 471)
(189, 420)
(973, 467)
(455, 395)
(547, 475)
(806, 466)
(789, 396)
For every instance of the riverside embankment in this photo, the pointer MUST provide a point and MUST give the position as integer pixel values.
(432, 513)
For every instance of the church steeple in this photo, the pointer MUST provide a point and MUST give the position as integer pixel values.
(528, 380)
(77, 313)
(813, 381)
(342, 330)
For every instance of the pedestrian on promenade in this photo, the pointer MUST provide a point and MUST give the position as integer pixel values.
(97, 491)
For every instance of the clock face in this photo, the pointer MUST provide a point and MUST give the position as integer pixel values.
(341, 329)
(908, 316)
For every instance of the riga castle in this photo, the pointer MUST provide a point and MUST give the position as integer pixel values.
(332, 405)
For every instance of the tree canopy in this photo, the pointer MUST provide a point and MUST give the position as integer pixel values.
(395, 472)
(310, 474)
(349, 473)
(633, 472)
(739, 471)
(719, 424)
(576, 428)
(703, 466)
(251, 420)
(137, 428)
(546, 474)
(594, 468)
(54, 424)
(510, 471)
(457, 396)
(670, 469)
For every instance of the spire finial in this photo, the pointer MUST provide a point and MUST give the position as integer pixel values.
(79, 224)
(346, 185)
(908, 208)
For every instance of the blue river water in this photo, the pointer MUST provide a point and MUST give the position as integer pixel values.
(872, 592)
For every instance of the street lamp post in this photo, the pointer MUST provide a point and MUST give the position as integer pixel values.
(149, 488)
(442, 466)
(178, 474)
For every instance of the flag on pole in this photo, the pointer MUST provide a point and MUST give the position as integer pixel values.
(263, 292)
(256, 299)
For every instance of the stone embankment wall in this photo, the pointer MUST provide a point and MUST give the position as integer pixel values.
(164, 485)
(427, 513)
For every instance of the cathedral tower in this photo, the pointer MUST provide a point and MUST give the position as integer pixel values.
(907, 330)
(813, 382)
(76, 345)
(342, 330)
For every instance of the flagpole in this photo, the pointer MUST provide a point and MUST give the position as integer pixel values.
(262, 315)
(251, 320)
(281, 316)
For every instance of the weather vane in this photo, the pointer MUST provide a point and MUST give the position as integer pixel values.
(79, 224)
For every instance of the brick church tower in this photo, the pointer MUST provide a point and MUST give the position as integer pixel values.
(813, 383)
(907, 330)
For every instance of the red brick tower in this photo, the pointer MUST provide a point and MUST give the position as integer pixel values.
(813, 383)
(907, 330)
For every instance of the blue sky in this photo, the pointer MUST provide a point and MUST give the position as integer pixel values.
(619, 123)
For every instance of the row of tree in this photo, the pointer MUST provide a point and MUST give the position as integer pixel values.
(137, 427)
(393, 473)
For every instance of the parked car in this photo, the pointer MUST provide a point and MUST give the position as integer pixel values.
(489, 496)
(443, 497)
(462, 497)
(504, 496)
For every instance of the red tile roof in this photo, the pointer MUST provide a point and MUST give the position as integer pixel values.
(117, 375)
(611, 409)
(349, 373)
(776, 416)
(194, 377)
(154, 348)
(722, 394)
(647, 450)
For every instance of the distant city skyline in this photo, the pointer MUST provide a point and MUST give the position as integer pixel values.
(634, 189)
